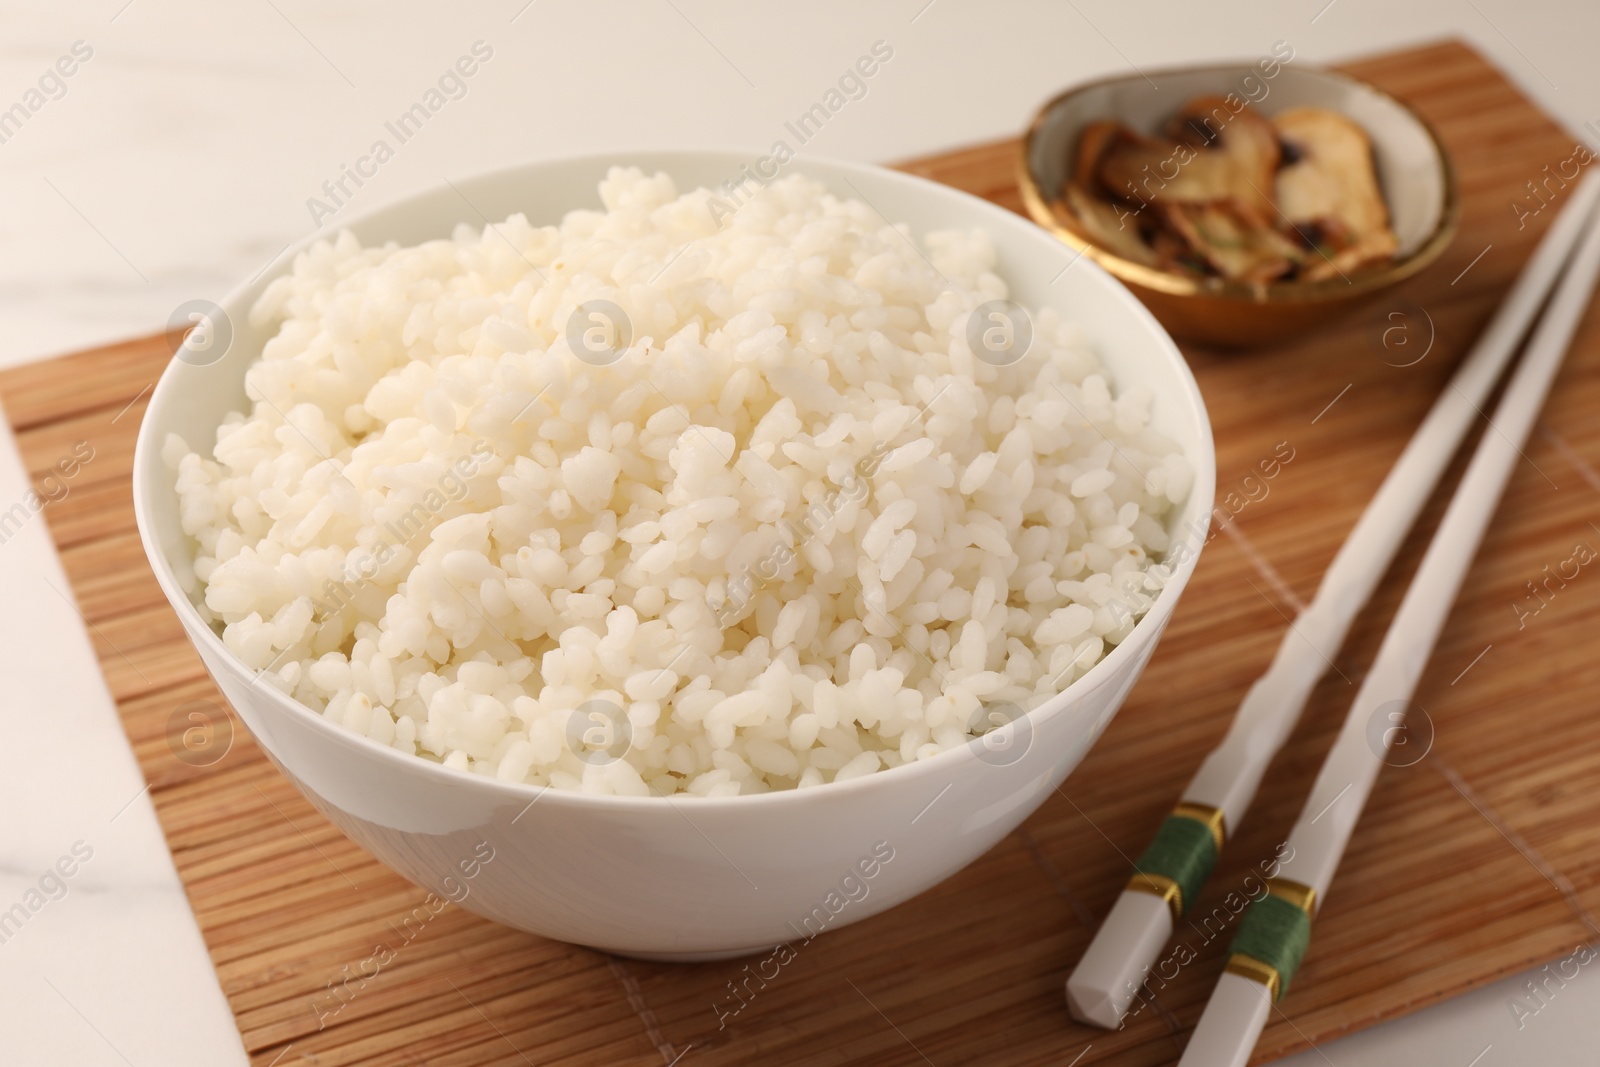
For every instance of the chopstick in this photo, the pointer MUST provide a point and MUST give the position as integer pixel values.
(1277, 926)
(1171, 872)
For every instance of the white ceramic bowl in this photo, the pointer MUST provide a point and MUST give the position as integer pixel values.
(686, 878)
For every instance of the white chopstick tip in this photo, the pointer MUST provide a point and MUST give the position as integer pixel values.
(1094, 1007)
(1231, 1024)
(1105, 982)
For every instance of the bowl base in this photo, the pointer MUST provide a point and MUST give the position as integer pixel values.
(688, 957)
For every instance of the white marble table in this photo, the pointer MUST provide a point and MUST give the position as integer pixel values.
(179, 157)
(100, 958)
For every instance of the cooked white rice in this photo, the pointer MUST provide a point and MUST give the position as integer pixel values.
(442, 530)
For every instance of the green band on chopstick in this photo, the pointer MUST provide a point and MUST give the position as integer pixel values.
(1273, 937)
(1180, 859)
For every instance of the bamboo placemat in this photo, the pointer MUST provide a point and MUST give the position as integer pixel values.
(1475, 862)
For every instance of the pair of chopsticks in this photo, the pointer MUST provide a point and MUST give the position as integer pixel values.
(1273, 935)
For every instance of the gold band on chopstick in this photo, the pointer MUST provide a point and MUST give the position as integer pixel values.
(1301, 896)
(1207, 815)
(1159, 885)
(1249, 967)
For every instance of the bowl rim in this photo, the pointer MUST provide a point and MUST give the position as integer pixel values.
(147, 464)
(1040, 210)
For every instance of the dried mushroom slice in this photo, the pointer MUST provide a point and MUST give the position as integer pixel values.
(1235, 245)
(1337, 263)
(1245, 139)
(1333, 187)
(1175, 256)
(1106, 224)
(1096, 140)
(1151, 171)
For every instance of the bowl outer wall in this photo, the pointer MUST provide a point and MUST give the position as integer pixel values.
(686, 877)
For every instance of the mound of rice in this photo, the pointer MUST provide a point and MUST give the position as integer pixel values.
(795, 534)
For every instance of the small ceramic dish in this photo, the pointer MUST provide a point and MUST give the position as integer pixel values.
(1414, 173)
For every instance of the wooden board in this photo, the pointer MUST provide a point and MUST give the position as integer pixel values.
(1479, 860)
